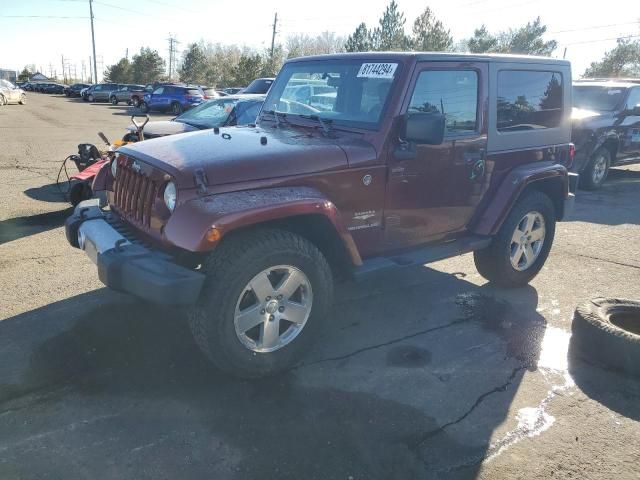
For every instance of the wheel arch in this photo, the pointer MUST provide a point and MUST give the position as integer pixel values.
(547, 177)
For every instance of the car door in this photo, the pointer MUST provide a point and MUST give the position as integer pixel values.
(433, 190)
(629, 127)
(157, 98)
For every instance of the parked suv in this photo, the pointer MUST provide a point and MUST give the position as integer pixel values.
(100, 92)
(606, 127)
(421, 157)
(172, 98)
(126, 93)
(75, 89)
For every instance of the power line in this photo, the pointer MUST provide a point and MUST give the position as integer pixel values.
(40, 16)
(594, 27)
(623, 37)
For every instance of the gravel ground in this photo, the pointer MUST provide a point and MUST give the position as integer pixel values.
(423, 373)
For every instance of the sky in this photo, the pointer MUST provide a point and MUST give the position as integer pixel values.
(41, 32)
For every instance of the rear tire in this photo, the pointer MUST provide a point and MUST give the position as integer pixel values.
(517, 253)
(176, 108)
(23, 99)
(247, 268)
(135, 101)
(596, 171)
(90, 98)
(114, 100)
(3, 101)
(144, 108)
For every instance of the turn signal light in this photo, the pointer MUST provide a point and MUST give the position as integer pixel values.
(213, 235)
(572, 154)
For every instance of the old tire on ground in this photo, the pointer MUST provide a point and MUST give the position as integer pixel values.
(23, 99)
(595, 172)
(80, 191)
(608, 330)
(272, 279)
(144, 108)
(520, 248)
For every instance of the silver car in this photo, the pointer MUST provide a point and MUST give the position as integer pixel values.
(9, 93)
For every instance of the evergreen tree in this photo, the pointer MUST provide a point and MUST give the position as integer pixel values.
(390, 35)
(147, 66)
(119, 72)
(194, 65)
(429, 34)
(360, 40)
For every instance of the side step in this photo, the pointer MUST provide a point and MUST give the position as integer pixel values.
(427, 254)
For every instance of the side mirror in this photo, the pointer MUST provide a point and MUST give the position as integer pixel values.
(635, 111)
(424, 128)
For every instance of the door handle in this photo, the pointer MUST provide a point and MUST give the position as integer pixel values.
(471, 158)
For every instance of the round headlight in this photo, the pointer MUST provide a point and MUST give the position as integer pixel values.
(114, 166)
(170, 196)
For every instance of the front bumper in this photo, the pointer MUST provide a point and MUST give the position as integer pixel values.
(570, 201)
(129, 267)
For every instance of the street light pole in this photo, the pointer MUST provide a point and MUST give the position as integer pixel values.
(93, 42)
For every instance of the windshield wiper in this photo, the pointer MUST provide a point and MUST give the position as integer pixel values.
(278, 116)
(327, 125)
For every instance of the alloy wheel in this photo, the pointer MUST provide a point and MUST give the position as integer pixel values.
(273, 308)
(527, 241)
(599, 169)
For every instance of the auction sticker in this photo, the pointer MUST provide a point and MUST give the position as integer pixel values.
(377, 70)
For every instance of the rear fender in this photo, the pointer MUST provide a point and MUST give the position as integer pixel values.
(492, 217)
(228, 212)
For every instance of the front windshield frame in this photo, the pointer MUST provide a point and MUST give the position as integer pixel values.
(613, 106)
(351, 66)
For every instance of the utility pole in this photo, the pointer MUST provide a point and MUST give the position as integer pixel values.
(91, 79)
(93, 42)
(64, 77)
(172, 54)
(273, 35)
(126, 55)
(564, 55)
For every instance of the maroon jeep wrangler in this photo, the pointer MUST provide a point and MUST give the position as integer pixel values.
(359, 163)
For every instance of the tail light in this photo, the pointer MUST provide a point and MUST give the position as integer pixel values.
(572, 155)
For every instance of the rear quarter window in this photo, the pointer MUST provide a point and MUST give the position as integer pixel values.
(529, 100)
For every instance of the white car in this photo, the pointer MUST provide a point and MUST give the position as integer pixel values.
(9, 93)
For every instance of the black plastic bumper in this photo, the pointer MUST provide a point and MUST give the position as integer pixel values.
(128, 267)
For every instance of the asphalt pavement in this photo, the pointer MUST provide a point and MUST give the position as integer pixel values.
(422, 373)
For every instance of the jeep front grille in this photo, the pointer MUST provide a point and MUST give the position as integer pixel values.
(134, 194)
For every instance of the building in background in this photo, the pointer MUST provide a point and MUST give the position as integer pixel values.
(10, 75)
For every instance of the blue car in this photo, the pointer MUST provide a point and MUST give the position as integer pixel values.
(172, 98)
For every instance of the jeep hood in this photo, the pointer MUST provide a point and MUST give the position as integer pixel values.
(239, 154)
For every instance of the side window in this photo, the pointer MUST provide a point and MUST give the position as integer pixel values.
(158, 91)
(529, 100)
(97, 88)
(248, 113)
(453, 93)
(634, 98)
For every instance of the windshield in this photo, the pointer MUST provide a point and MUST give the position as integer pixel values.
(599, 98)
(209, 114)
(349, 93)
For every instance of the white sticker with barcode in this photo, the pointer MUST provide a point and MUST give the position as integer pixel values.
(377, 70)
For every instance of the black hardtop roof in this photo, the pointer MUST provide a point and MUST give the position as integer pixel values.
(437, 57)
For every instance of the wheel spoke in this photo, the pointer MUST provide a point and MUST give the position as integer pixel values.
(290, 283)
(529, 224)
(529, 255)
(537, 234)
(270, 333)
(295, 312)
(261, 286)
(517, 235)
(249, 318)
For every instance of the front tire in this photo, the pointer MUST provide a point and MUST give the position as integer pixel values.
(144, 108)
(90, 98)
(522, 245)
(176, 108)
(597, 170)
(135, 101)
(114, 100)
(266, 297)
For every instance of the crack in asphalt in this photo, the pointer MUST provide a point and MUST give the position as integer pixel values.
(383, 344)
(501, 388)
(622, 264)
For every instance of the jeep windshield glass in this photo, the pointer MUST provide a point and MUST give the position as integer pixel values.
(210, 114)
(345, 92)
(599, 98)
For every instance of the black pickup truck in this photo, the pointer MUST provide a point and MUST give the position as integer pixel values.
(606, 127)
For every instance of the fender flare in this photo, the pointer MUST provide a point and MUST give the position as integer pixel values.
(228, 212)
(489, 221)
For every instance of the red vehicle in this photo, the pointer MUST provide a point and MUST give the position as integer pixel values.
(403, 159)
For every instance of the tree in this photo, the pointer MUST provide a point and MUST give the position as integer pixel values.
(301, 45)
(525, 40)
(194, 65)
(360, 40)
(429, 33)
(389, 35)
(271, 64)
(25, 75)
(119, 72)
(147, 66)
(482, 41)
(622, 61)
(247, 69)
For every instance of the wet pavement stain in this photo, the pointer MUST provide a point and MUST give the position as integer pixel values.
(408, 356)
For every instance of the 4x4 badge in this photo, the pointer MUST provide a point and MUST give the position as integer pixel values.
(135, 166)
(367, 180)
